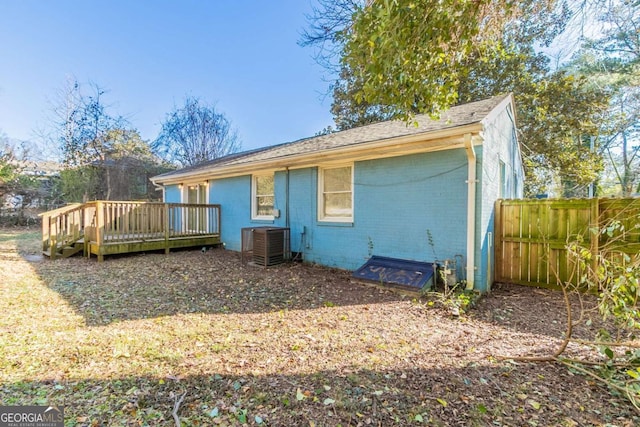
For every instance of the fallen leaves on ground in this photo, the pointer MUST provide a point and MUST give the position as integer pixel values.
(119, 342)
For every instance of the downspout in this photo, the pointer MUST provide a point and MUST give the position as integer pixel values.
(160, 188)
(471, 211)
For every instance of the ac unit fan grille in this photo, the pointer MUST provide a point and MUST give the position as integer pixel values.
(265, 246)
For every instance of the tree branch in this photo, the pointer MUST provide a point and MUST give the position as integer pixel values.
(176, 407)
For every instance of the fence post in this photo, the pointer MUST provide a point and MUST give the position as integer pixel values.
(594, 224)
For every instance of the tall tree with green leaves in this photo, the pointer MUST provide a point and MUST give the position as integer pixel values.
(408, 55)
(131, 163)
(401, 58)
(350, 111)
(557, 112)
(123, 174)
(8, 167)
(611, 62)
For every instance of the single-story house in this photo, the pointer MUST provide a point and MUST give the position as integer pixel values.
(421, 191)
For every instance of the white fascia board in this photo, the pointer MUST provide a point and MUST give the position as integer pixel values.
(444, 139)
(493, 114)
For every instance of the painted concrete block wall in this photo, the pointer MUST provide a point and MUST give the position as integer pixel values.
(396, 201)
(500, 145)
(234, 197)
(302, 209)
(401, 200)
(279, 203)
(172, 194)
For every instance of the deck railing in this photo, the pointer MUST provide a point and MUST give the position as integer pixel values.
(132, 221)
(63, 226)
(104, 223)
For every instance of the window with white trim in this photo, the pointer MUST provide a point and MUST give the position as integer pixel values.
(335, 193)
(262, 197)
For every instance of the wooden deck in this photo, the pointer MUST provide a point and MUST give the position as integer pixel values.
(113, 227)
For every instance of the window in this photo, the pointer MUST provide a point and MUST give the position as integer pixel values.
(262, 200)
(335, 194)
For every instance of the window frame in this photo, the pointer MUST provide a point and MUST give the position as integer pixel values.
(502, 193)
(321, 193)
(254, 197)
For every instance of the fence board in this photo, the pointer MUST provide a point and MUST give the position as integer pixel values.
(531, 236)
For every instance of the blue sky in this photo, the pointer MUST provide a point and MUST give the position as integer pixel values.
(241, 55)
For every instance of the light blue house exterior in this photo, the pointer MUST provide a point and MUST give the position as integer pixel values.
(423, 192)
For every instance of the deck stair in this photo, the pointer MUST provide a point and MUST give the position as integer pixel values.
(113, 227)
(66, 251)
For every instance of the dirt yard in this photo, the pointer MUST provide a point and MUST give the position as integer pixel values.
(193, 336)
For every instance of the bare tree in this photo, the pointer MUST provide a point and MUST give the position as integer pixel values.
(195, 133)
(83, 129)
(328, 25)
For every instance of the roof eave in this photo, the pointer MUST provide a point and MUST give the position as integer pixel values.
(442, 139)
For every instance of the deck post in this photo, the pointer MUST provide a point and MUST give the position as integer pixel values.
(99, 230)
(166, 228)
(219, 225)
(52, 240)
(46, 233)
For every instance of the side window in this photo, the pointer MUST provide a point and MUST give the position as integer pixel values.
(335, 194)
(262, 197)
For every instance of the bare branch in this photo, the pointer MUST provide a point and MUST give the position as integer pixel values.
(176, 408)
(195, 133)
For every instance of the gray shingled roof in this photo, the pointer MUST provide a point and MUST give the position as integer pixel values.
(457, 116)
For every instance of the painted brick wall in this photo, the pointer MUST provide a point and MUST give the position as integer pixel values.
(396, 201)
(500, 145)
(302, 209)
(234, 197)
(172, 194)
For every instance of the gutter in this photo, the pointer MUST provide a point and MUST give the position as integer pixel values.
(389, 147)
(471, 211)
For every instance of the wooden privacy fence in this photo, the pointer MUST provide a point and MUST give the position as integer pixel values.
(531, 236)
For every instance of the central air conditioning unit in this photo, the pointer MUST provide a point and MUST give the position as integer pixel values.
(265, 246)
